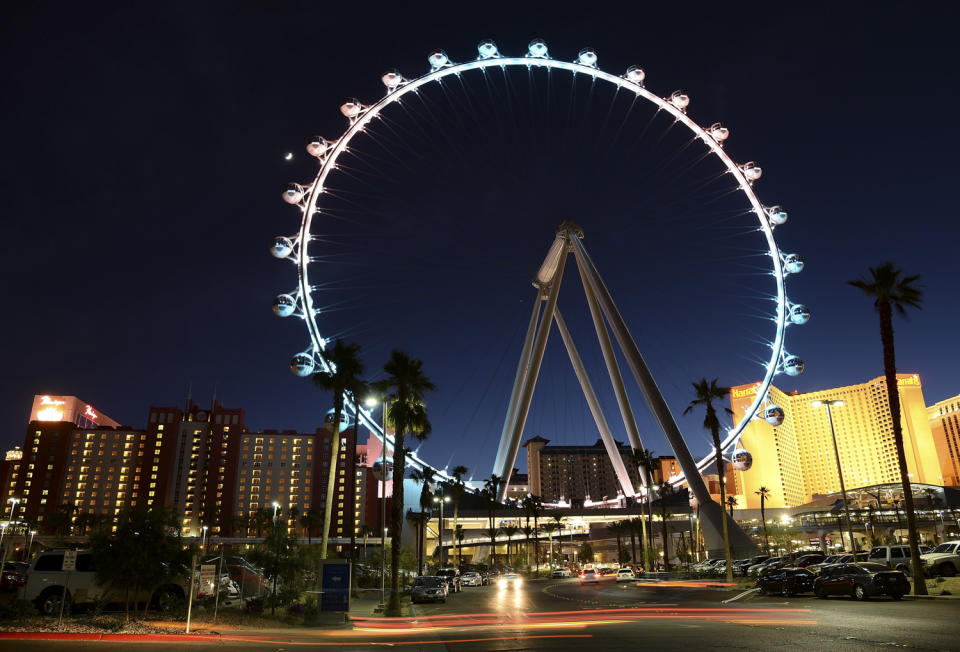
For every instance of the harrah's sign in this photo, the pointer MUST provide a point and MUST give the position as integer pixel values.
(743, 392)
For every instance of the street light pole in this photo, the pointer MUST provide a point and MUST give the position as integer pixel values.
(836, 453)
(203, 541)
(371, 402)
(441, 499)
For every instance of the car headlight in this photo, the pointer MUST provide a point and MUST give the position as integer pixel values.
(502, 584)
(517, 582)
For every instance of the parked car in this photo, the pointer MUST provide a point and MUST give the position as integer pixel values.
(756, 569)
(428, 588)
(561, 572)
(14, 575)
(452, 577)
(895, 557)
(471, 578)
(589, 577)
(606, 571)
(943, 560)
(844, 558)
(740, 567)
(626, 575)
(786, 581)
(45, 582)
(807, 560)
(861, 581)
(249, 579)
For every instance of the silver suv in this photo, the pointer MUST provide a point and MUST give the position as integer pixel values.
(895, 557)
(45, 582)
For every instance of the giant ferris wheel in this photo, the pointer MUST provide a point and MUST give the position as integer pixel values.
(309, 199)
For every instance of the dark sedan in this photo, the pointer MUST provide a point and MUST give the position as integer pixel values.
(786, 582)
(861, 581)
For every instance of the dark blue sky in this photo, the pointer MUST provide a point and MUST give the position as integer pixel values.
(143, 157)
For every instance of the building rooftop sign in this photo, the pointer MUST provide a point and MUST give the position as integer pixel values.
(69, 408)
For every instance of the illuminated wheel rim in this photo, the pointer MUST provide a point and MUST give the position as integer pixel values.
(308, 197)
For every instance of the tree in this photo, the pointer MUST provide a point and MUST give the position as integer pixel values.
(509, 531)
(731, 503)
(549, 528)
(311, 521)
(643, 459)
(457, 490)
(586, 552)
(458, 535)
(891, 290)
(342, 375)
(491, 491)
(664, 490)
(365, 532)
(706, 393)
(405, 386)
(617, 529)
(536, 510)
(764, 493)
(144, 552)
(425, 478)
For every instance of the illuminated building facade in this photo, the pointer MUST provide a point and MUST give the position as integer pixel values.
(574, 473)
(104, 471)
(944, 418)
(796, 461)
(275, 467)
(205, 462)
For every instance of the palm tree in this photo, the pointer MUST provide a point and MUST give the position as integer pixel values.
(616, 528)
(536, 510)
(509, 531)
(365, 532)
(891, 290)
(549, 527)
(458, 535)
(706, 393)
(457, 490)
(405, 388)
(731, 503)
(425, 477)
(632, 529)
(764, 493)
(664, 490)
(343, 372)
(309, 522)
(491, 490)
(643, 459)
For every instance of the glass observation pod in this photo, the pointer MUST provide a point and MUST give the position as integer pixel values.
(741, 459)
(438, 59)
(636, 74)
(751, 171)
(793, 263)
(284, 305)
(792, 365)
(587, 57)
(391, 78)
(293, 193)
(799, 314)
(281, 247)
(680, 100)
(351, 107)
(301, 365)
(774, 415)
(488, 49)
(777, 215)
(318, 146)
(537, 49)
(718, 132)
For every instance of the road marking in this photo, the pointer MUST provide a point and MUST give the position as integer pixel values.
(740, 595)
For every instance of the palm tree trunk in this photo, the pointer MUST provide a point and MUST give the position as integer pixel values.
(332, 475)
(893, 398)
(456, 513)
(396, 522)
(763, 517)
(633, 542)
(723, 498)
(663, 524)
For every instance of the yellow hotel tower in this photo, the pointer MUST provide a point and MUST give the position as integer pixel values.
(795, 460)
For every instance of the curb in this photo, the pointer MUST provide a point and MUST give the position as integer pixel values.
(144, 638)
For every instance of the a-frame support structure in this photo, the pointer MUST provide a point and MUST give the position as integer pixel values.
(604, 314)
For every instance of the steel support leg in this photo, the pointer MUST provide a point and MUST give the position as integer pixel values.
(710, 512)
(498, 465)
(530, 382)
(608, 442)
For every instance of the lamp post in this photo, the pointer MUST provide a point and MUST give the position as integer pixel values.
(441, 499)
(203, 541)
(836, 452)
(33, 533)
(371, 403)
(276, 557)
(13, 507)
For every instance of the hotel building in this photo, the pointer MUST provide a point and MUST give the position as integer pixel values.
(944, 420)
(796, 461)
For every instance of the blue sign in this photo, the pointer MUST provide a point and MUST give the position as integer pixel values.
(335, 587)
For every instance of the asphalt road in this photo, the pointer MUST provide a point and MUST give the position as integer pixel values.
(562, 615)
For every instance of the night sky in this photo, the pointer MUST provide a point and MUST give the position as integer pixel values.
(143, 155)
